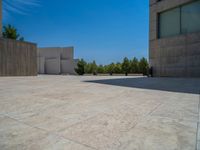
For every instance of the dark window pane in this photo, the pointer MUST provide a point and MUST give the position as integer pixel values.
(169, 23)
(190, 18)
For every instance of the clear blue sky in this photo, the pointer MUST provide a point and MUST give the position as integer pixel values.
(101, 30)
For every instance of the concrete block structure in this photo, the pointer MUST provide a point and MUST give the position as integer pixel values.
(175, 38)
(56, 60)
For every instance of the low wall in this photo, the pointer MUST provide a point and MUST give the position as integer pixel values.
(17, 58)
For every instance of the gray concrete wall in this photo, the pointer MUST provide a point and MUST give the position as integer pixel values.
(40, 65)
(174, 56)
(17, 58)
(56, 60)
(52, 66)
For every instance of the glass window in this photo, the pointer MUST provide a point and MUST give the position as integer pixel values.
(190, 17)
(169, 23)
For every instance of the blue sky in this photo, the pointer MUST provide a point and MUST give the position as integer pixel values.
(101, 30)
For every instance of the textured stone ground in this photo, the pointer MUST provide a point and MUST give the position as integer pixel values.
(98, 113)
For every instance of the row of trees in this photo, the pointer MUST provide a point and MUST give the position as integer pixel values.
(127, 66)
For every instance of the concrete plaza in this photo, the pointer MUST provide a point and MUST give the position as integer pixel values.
(99, 113)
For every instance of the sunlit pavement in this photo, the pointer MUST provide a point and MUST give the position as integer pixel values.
(99, 113)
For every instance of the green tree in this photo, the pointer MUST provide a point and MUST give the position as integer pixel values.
(134, 65)
(94, 68)
(143, 66)
(110, 68)
(126, 66)
(80, 67)
(100, 69)
(88, 68)
(11, 32)
(117, 68)
(106, 68)
(91, 68)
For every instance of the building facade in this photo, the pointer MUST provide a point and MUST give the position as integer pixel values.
(174, 49)
(56, 60)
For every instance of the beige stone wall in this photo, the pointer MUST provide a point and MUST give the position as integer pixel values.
(17, 58)
(174, 56)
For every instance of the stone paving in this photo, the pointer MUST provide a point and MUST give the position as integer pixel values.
(99, 113)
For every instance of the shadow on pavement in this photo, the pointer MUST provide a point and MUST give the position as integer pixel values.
(164, 84)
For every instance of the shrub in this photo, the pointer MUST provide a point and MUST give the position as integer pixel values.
(80, 70)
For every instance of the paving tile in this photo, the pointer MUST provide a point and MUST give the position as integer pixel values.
(15, 135)
(154, 133)
(182, 109)
(101, 132)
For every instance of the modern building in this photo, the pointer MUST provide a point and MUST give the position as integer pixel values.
(175, 38)
(56, 60)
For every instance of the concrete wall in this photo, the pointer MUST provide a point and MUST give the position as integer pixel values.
(56, 60)
(17, 58)
(174, 56)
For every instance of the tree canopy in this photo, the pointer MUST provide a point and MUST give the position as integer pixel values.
(10, 32)
(133, 66)
(126, 66)
(80, 67)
